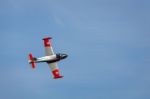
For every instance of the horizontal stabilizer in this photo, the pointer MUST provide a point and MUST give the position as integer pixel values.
(31, 60)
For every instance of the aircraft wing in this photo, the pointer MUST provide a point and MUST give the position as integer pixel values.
(48, 46)
(55, 70)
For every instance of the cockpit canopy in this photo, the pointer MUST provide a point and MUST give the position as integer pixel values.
(61, 56)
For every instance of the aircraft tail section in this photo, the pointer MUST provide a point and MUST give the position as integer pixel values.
(32, 60)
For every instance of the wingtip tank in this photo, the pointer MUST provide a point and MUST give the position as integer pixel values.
(47, 38)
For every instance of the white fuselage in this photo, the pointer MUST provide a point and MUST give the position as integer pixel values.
(46, 58)
(49, 59)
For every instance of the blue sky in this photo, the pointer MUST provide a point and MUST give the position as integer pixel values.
(108, 43)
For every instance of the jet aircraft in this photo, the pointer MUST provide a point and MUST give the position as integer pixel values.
(51, 58)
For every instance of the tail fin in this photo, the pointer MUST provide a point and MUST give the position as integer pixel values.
(31, 60)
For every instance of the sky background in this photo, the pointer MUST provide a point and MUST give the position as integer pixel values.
(108, 43)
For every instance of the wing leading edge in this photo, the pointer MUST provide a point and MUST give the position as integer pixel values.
(49, 51)
(55, 70)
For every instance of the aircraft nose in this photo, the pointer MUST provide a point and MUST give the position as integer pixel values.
(64, 56)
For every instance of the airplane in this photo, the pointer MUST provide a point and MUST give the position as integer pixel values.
(51, 58)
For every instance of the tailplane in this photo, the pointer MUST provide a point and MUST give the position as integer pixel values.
(32, 60)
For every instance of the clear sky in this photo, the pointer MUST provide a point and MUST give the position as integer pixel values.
(108, 43)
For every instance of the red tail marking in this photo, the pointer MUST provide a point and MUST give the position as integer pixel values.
(32, 61)
(33, 65)
(56, 74)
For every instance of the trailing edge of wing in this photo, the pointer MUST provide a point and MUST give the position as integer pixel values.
(55, 70)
